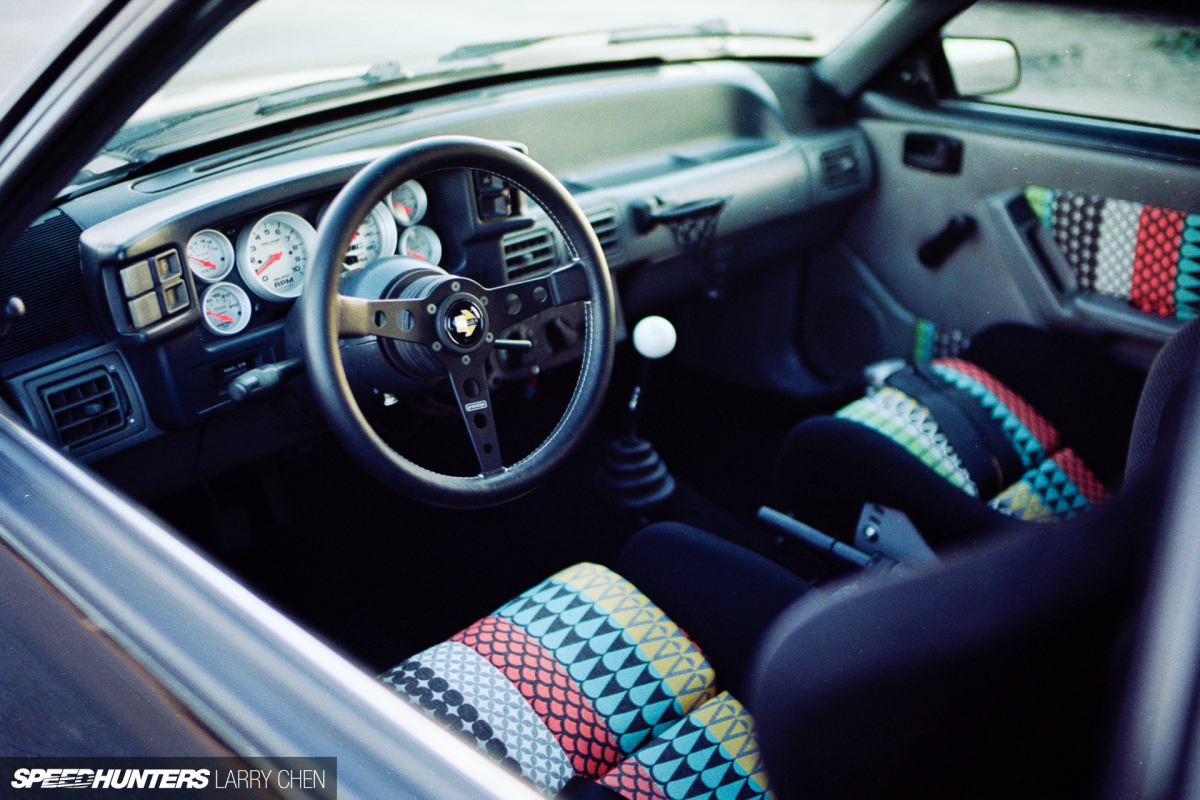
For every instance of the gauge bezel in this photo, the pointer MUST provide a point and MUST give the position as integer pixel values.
(308, 236)
(225, 245)
(435, 249)
(422, 204)
(243, 299)
(390, 236)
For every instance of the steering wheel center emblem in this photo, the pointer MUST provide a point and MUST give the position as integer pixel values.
(464, 323)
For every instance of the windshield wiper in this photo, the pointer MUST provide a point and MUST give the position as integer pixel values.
(380, 75)
(713, 27)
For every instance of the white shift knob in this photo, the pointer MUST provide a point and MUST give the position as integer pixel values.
(654, 337)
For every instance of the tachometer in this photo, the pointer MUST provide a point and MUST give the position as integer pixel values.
(272, 254)
(226, 308)
(408, 203)
(421, 242)
(375, 237)
(210, 255)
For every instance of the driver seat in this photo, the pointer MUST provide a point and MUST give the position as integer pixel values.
(588, 689)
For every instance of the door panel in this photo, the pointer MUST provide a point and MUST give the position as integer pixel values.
(1009, 269)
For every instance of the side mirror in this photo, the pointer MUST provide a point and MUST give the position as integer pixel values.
(982, 66)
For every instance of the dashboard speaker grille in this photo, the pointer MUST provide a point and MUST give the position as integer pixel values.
(529, 253)
(42, 268)
(86, 407)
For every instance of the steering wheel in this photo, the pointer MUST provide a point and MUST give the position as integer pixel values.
(452, 322)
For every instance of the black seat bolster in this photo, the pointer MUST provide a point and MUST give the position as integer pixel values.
(994, 675)
(829, 467)
(975, 435)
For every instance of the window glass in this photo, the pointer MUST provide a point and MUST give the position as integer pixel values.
(1111, 62)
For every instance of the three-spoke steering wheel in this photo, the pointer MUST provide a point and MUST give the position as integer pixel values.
(455, 321)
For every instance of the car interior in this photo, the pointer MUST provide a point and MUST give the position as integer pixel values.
(838, 399)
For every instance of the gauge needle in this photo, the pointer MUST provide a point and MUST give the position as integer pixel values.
(418, 255)
(208, 264)
(221, 317)
(274, 257)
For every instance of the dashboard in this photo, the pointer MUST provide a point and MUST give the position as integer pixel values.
(146, 299)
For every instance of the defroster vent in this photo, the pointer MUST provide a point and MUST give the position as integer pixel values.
(529, 253)
(86, 407)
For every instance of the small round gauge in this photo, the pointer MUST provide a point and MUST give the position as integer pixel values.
(210, 255)
(272, 254)
(421, 242)
(374, 238)
(226, 308)
(408, 203)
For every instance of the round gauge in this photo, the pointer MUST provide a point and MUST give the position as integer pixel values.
(408, 203)
(421, 242)
(226, 308)
(210, 255)
(272, 254)
(374, 238)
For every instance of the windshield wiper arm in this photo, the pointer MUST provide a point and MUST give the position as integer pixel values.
(713, 27)
(380, 75)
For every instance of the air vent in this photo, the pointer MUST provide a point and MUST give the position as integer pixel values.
(604, 223)
(839, 167)
(529, 253)
(86, 407)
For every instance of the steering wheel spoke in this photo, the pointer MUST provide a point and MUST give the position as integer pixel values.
(403, 320)
(519, 301)
(469, 379)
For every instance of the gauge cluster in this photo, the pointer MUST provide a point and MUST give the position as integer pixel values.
(265, 259)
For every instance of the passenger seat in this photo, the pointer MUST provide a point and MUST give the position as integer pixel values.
(1026, 423)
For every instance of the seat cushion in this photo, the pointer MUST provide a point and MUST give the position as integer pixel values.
(711, 754)
(954, 423)
(567, 680)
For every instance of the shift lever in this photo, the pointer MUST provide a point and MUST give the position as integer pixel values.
(633, 475)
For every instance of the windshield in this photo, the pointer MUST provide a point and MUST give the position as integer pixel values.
(288, 56)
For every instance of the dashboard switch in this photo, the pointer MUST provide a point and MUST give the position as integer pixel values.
(175, 297)
(145, 310)
(136, 280)
(168, 267)
(493, 206)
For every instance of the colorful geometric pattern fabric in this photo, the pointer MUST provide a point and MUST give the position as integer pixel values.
(930, 342)
(711, 754)
(1031, 434)
(908, 423)
(638, 668)
(1056, 484)
(1145, 255)
(484, 706)
(568, 679)
(1059, 488)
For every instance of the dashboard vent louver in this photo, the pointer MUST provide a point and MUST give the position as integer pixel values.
(529, 253)
(839, 166)
(86, 407)
(604, 223)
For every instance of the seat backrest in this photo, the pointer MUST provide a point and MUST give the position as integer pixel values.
(994, 675)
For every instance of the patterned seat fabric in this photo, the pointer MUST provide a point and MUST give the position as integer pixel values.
(583, 676)
(1143, 254)
(1056, 484)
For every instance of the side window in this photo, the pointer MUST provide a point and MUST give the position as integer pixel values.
(1111, 62)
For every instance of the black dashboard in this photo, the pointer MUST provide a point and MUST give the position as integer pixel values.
(145, 299)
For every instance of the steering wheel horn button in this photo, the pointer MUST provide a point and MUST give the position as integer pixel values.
(464, 322)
